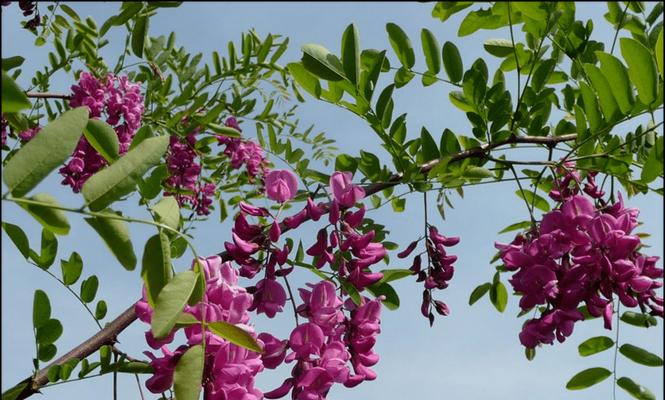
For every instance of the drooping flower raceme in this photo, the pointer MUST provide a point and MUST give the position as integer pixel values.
(580, 254)
(184, 175)
(229, 370)
(116, 100)
(242, 151)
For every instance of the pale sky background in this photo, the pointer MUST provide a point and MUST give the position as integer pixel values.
(472, 354)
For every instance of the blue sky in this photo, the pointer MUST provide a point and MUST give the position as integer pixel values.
(472, 354)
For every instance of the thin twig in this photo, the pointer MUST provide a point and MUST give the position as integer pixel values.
(47, 95)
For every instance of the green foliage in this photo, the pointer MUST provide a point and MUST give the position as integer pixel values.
(171, 301)
(588, 377)
(235, 335)
(189, 373)
(594, 345)
(636, 390)
(156, 270)
(102, 138)
(119, 179)
(115, 234)
(46, 151)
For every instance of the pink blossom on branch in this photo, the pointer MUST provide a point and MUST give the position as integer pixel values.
(281, 185)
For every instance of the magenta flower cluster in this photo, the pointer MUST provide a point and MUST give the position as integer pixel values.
(184, 181)
(580, 254)
(229, 370)
(323, 347)
(114, 98)
(336, 343)
(4, 129)
(28, 8)
(242, 151)
(439, 269)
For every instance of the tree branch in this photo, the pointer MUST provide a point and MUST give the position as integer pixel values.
(103, 337)
(115, 327)
(36, 95)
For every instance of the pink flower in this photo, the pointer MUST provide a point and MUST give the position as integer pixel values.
(281, 185)
(269, 298)
(274, 350)
(163, 367)
(306, 339)
(346, 193)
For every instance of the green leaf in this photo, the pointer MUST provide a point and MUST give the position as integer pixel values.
(71, 269)
(18, 237)
(640, 355)
(188, 374)
(634, 389)
(615, 72)
(12, 62)
(171, 301)
(431, 51)
(542, 74)
(41, 309)
(139, 35)
(351, 53)
(499, 47)
(452, 62)
(224, 130)
(13, 97)
(89, 289)
(638, 319)
(449, 144)
(594, 345)
(306, 80)
(653, 166)
(641, 69)
(53, 373)
(398, 204)
(591, 107)
(659, 53)
(588, 377)
(483, 19)
(390, 275)
(50, 218)
(46, 352)
(235, 335)
(384, 289)
(499, 296)
(119, 179)
(428, 149)
(444, 9)
(142, 134)
(156, 265)
(14, 392)
(608, 104)
(115, 234)
(401, 43)
(539, 202)
(516, 226)
(100, 309)
(460, 101)
(322, 63)
(403, 76)
(479, 292)
(478, 173)
(45, 152)
(135, 367)
(49, 249)
(49, 332)
(384, 99)
(102, 138)
(168, 212)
